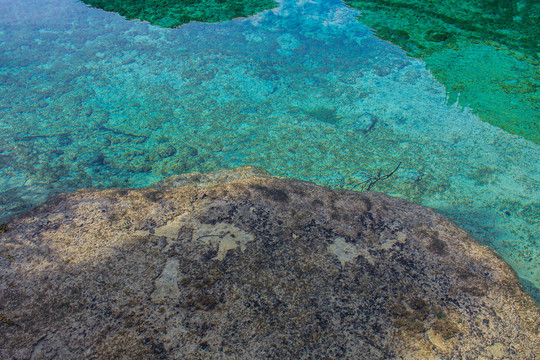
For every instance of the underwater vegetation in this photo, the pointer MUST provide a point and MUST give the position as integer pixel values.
(475, 48)
(173, 13)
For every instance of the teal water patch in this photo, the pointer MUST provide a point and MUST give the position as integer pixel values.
(88, 99)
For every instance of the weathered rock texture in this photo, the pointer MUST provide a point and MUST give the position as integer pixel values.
(240, 265)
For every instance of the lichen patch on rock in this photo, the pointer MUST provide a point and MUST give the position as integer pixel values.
(344, 251)
(223, 236)
(166, 286)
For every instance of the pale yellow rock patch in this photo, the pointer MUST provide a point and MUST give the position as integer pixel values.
(345, 252)
(55, 216)
(171, 229)
(437, 340)
(225, 236)
(166, 285)
(496, 350)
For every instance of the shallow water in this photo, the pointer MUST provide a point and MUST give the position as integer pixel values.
(88, 99)
(485, 52)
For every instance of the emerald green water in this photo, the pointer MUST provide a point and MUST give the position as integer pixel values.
(486, 53)
(172, 13)
(89, 99)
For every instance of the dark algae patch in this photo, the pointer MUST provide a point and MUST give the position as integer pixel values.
(173, 13)
(324, 114)
(485, 52)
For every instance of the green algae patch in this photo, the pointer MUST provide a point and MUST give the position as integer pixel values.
(486, 53)
(173, 13)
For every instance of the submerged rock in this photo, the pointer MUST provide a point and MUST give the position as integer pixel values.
(240, 265)
(173, 13)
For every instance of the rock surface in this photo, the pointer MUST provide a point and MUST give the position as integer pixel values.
(240, 265)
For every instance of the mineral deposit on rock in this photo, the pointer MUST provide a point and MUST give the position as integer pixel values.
(241, 265)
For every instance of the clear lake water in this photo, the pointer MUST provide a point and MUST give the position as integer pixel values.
(90, 99)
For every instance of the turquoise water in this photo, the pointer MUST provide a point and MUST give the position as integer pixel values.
(88, 99)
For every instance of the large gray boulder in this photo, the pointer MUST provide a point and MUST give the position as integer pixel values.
(240, 265)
